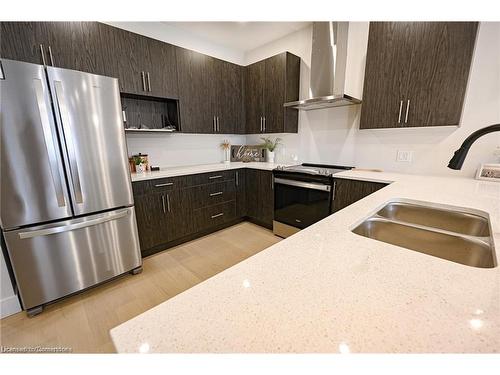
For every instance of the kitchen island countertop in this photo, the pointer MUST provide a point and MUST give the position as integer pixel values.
(326, 289)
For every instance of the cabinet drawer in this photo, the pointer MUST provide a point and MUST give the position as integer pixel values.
(208, 178)
(210, 194)
(214, 215)
(167, 184)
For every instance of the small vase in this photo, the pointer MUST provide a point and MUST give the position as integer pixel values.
(140, 168)
(226, 156)
(270, 156)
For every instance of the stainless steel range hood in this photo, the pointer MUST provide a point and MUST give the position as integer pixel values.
(328, 68)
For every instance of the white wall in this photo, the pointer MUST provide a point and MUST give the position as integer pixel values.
(9, 304)
(332, 135)
(182, 38)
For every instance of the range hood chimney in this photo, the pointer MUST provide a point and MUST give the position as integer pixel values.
(328, 68)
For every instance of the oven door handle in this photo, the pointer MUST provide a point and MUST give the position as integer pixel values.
(307, 185)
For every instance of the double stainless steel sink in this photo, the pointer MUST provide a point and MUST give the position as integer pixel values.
(451, 233)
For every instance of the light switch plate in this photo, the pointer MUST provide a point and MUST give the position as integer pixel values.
(404, 156)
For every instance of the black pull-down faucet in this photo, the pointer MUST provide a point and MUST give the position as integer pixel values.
(459, 157)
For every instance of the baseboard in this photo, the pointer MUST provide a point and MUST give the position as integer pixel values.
(9, 306)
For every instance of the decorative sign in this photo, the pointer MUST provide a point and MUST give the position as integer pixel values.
(489, 172)
(246, 153)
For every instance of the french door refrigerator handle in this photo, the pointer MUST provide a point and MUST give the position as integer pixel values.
(49, 143)
(70, 227)
(73, 164)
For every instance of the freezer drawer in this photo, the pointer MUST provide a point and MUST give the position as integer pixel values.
(54, 260)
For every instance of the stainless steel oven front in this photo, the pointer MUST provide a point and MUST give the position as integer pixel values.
(300, 202)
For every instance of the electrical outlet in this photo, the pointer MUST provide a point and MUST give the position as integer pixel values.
(404, 156)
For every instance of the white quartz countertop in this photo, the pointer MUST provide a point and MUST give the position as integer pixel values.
(326, 289)
(200, 168)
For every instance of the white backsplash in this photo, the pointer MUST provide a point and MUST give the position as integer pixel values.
(167, 150)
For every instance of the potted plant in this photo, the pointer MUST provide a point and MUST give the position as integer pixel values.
(270, 146)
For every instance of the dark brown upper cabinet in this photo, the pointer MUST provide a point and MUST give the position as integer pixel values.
(196, 82)
(268, 85)
(143, 66)
(210, 93)
(229, 98)
(416, 73)
(71, 45)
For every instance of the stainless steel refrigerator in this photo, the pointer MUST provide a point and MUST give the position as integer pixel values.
(66, 204)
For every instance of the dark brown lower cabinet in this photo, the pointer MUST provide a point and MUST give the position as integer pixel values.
(260, 197)
(177, 209)
(346, 192)
(241, 199)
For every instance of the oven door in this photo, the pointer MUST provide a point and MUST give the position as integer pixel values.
(299, 203)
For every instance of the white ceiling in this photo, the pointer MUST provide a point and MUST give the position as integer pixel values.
(243, 36)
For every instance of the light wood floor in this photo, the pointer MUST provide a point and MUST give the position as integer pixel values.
(82, 322)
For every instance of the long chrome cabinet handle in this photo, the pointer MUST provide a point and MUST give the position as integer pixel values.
(168, 203)
(307, 185)
(49, 143)
(68, 136)
(163, 204)
(264, 127)
(237, 179)
(165, 184)
(215, 126)
(51, 57)
(400, 110)
(261, 123)
(214, 177)
(70, 227)
(143, 77)
(218, 124)
(214, 216)
(43, 55)
(407, 110)
(215, 194)
(149, 81)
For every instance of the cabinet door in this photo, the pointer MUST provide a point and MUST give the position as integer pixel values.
(178, 213)
(346, 192)
(151, 220)
(162, 68)
(229, 97)
(254, 96)
(274, 93)
(123, 58)
(20, 41)
(252, 193)
(388, 60)
(76, 45)
(240, 182)
(196, 91)
(266, 194)
(441, 60)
